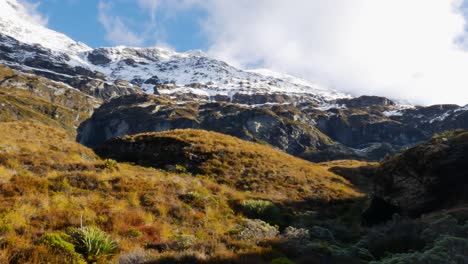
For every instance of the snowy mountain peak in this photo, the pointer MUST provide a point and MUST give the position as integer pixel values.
(19, 23)
(195, 73)
(189, 75)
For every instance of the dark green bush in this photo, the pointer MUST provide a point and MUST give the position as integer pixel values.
(397, 236)
(262, 209)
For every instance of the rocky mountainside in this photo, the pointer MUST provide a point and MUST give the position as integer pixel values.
(33, 98)
(361, 128)
(429, 177)
(282, 126)
(55, 92)
(197, 91)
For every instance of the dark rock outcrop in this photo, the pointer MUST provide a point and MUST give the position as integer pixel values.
(135, 114)
(97, 58)
(366, 101)
(434, 119)
(428, 177)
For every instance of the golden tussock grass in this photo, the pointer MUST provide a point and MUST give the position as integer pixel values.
(256, 168)
(49, 183)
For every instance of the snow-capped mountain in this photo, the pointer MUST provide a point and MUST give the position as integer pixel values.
(107, 72)
(18, 23)
(195, 73)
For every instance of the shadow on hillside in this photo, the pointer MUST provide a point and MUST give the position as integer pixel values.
(337, 217)
(275, 255)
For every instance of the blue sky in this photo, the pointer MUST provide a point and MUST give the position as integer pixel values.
(79, 20)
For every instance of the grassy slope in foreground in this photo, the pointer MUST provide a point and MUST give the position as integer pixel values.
(246, 166)
(48, 182)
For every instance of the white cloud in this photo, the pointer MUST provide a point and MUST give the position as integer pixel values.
(397, 48)
(151, 6)
(149, 28)
(29, 11)
(117, 31)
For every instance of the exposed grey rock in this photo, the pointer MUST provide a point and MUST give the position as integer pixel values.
(144, 113)
(41, 61)
(305, 131)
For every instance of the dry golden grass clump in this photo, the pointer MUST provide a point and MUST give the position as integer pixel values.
(256, 168)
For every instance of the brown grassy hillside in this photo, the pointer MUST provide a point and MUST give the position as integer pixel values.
(49, 183)
(246, 166)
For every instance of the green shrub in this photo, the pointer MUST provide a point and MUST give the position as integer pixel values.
(257, 230)
(445, 226)
(111, 165)
(180, 168)
(181, 242)
(59, 242)
(262, 209)
(134, 233)
(6, 228)
(194, 199)
(93, 243)
(61, 245)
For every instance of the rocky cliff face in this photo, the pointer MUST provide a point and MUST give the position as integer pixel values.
(428, 177)
(52, 91)
(361, 130)
(33, 98)
(281, 126)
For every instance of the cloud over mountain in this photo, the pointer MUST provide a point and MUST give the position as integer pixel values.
(402, 49)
